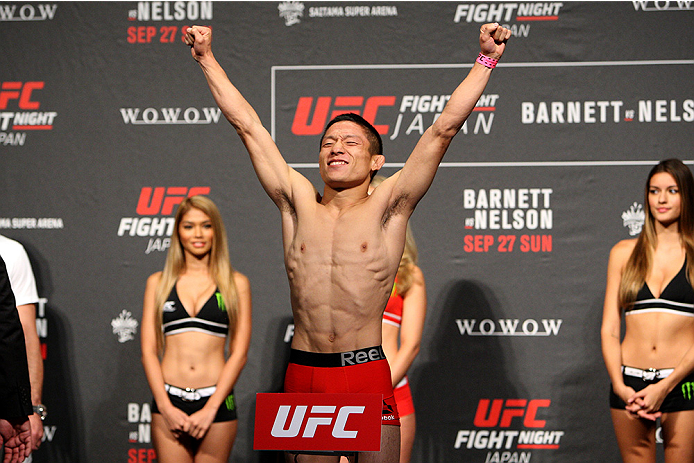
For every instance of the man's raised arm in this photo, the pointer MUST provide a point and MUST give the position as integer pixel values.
(272, 170)
(419, 170)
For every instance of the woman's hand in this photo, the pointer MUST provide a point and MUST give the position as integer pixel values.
(200, 421)
(646, 403)
(628, 395)
(176, 420)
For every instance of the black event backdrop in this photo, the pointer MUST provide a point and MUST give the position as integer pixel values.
(106, 123)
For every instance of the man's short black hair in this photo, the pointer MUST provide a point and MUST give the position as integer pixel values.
(371, 132)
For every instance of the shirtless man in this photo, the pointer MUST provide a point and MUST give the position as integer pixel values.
(342, 248)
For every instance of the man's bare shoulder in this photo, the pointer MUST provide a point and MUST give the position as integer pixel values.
(392, 201)
(302, 193)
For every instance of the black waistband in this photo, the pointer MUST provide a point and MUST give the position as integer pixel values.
(337, 359)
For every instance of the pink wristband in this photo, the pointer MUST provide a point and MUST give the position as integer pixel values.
(486, 61)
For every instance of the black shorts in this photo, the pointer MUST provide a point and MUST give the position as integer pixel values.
(226, 411)
(679, 399)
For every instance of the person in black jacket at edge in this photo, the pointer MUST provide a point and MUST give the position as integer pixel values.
(15, 389)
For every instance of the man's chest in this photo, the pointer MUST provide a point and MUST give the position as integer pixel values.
(339, 239)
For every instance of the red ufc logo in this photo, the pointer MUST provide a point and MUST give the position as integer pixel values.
(342, 104)
(318, 422)
(502, 412)
(154, 201)
(19, 91)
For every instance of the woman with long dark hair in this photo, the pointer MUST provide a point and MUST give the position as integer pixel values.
(650, 279)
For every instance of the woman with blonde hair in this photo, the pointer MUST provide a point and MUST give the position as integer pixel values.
(650, 279)
(191, 309)
(403, 323)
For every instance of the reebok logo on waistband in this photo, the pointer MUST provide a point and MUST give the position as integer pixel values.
(362, 356)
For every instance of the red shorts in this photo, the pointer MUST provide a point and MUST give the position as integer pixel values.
(361, 371)
(403, 397)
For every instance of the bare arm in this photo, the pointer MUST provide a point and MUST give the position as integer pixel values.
(610, 331)
(175, 418)
(27, 315)
(420, 168)
(413, 314)
(273, 172)
(201, 421)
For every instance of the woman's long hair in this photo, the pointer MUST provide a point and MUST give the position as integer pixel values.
(405, 275)
(220, 268)
(640, 261)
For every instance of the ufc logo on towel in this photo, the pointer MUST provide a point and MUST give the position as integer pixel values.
(318, 422)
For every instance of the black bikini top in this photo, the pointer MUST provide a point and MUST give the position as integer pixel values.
(211, 319)
(677, 297)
